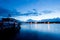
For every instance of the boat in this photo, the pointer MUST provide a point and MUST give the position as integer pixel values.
(9, 25)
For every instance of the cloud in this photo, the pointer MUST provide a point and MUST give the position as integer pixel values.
(31, 13)
(5, 12)
(47, 11)
(36, 13)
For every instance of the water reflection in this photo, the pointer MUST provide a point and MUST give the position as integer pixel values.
(42, 27)
(40, 31)
(48, 26)
(35, 32)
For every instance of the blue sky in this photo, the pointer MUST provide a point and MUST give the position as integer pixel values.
(32, 9)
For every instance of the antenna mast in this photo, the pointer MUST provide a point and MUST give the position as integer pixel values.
(9, 15)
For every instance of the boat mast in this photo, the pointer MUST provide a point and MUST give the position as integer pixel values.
(9, 15)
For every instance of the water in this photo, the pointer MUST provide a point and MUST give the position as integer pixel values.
(37, 32)
(52, 28)
(40, 32)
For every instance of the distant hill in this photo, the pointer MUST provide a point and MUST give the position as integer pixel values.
(51, 20)
(30, 20)
(45, 20)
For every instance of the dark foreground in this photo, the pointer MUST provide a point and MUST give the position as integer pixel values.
(29, 35)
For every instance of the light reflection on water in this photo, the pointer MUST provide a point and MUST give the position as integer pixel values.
(42, 27)
(39, 32)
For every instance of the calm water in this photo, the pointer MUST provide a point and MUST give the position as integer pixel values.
(52, 28)
(39, 32)
(36, 32)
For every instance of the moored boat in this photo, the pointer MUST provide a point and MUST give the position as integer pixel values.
(9, 25)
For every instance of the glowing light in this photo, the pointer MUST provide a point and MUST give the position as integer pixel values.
(48, 26)
(36, 26)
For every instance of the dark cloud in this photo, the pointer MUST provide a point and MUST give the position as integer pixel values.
(5, 12)
(33, 13)
(28, 14)
(47, 11)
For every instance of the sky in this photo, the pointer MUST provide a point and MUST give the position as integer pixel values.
(30, 9)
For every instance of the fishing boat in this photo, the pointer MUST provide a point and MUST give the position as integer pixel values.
(9, 25)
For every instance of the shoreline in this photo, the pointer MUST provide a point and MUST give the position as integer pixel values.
(43, 22)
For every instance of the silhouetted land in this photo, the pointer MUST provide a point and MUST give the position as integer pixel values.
(44, 22)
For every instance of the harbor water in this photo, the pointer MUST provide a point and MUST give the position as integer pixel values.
(37, 32)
